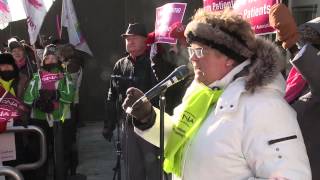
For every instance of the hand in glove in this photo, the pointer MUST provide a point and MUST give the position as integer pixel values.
(140, 110)
(281, 19)
(23, 120)
(44, 106)
(49, 95)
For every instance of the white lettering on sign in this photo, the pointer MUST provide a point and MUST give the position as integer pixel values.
(256, 11)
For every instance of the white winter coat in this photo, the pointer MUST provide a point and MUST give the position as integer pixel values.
(232, 143)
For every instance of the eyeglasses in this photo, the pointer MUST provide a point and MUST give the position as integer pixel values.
(197, 51)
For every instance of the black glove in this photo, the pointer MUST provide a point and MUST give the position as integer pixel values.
(44, 105)
(21, 120)
(49, 94)
(25, 120)
(107, 134)
(140, 110)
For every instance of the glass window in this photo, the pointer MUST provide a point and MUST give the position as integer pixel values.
(305, 13)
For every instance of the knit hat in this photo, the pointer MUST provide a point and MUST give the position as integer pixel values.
(7, 58)
(50, 49)
(226, 32)
(13, 43)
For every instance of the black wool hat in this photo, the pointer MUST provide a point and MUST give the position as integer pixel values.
(135, 29)
(7, 58)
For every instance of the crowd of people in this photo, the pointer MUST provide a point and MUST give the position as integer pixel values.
(236, 115)
(47, 86)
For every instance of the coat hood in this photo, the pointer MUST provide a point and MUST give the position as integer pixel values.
(266, 64)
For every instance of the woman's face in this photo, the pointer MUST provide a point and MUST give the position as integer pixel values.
(50, 59)
(6, 67)
(18, 53)
(209, 64)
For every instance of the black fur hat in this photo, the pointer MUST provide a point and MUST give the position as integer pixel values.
(7, 58)
(232, 35)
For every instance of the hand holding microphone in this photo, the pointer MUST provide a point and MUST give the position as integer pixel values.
(137, 109)
(137, 103)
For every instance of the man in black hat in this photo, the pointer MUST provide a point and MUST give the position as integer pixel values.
(133, 70)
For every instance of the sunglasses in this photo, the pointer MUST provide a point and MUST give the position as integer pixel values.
(197, 51)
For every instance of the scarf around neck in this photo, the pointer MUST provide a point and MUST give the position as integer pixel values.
(195, 110)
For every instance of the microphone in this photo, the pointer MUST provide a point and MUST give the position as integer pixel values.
(121, 78)
(177, 75)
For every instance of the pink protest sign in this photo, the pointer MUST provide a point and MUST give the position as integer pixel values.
(10, 106)
(49, 79)
(6, 113)
(166, 16)
(256, 11)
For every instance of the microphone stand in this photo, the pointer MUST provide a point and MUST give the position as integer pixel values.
(162, 104)
(117, 167)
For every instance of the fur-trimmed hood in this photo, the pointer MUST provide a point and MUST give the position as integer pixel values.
(265, 65)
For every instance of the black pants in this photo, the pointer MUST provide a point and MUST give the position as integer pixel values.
(74, 123)
(68, 134)
(141, 160)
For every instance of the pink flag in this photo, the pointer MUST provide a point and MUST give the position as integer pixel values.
(256, 11)
(4, 6)
(166, 16)
(35, 11)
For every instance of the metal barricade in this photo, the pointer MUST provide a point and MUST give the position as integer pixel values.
(11, 172)
(43, 146)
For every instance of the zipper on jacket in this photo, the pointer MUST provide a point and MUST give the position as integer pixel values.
(282, 139)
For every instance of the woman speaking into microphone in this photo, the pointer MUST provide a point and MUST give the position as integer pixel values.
(233, 122)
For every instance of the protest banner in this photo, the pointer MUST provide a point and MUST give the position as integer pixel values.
(166, 16)
(10, 109)
(49, 79)
(256, 11)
